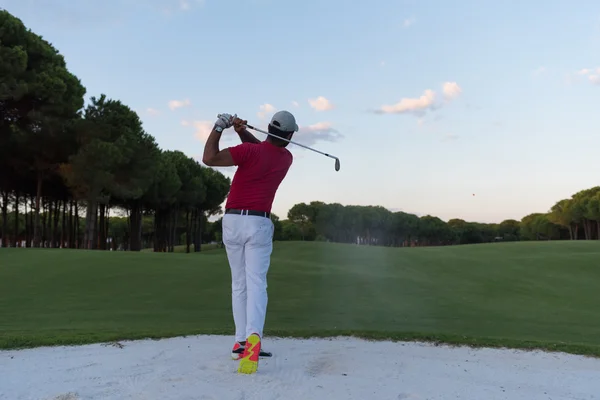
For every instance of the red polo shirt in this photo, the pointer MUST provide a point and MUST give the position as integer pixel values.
(261, 168)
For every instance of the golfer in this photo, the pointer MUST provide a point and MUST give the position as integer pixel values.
(247, 226)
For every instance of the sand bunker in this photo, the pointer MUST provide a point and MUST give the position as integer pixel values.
(200, 367)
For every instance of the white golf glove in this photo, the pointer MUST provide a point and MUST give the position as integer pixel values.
(225, 120)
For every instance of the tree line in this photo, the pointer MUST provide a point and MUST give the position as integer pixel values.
(65, 168)
(575, 218)
(378, 226)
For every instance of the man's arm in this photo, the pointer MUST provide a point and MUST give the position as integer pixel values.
(247, 137)
(212, 155)
(240, 128)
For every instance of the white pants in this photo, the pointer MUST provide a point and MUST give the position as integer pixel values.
(248, 240)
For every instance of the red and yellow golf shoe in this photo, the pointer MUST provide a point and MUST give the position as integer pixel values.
(249, 361)
(238, 350)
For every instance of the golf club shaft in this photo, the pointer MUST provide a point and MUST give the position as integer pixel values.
(337, 160)
(289, 141)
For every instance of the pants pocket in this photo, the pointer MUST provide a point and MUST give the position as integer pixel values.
(230, 227)
(262, 235)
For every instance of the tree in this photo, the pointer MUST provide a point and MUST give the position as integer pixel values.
(510, 230)
(561, 214)
(583, 209)
(60, 161)
(290, 230)
(593, 211)
(217, 189)
(160, 198)
(434, 231)
(115, 160)
(38, 97)
(277, 227)
(404, 228)
(303, 216)
(539, 226)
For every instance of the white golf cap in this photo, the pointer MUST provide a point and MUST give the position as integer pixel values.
(284, 121)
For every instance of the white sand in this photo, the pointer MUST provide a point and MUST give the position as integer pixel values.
(200, 368)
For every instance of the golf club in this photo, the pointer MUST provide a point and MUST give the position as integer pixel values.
(337, 160)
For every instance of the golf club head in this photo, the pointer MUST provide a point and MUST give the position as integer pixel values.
(337, 164)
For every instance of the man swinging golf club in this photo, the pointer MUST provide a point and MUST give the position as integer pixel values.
(247, 226)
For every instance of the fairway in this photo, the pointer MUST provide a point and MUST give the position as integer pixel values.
(527, 295)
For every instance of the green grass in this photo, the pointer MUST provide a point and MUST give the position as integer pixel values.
(523, 295)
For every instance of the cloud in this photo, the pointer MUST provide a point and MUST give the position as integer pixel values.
(202, 128)
(295, 104)
(382, 63)
(593, 74)
(321, 131)
(265, 109)
(152, 111)
(451, 90)
(320, 104)
(426, 102)
(408, 22)
(175, 104)
(539, 71)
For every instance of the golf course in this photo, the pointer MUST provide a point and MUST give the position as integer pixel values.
(524, 295)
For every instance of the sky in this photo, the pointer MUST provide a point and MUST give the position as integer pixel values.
(481, 110)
